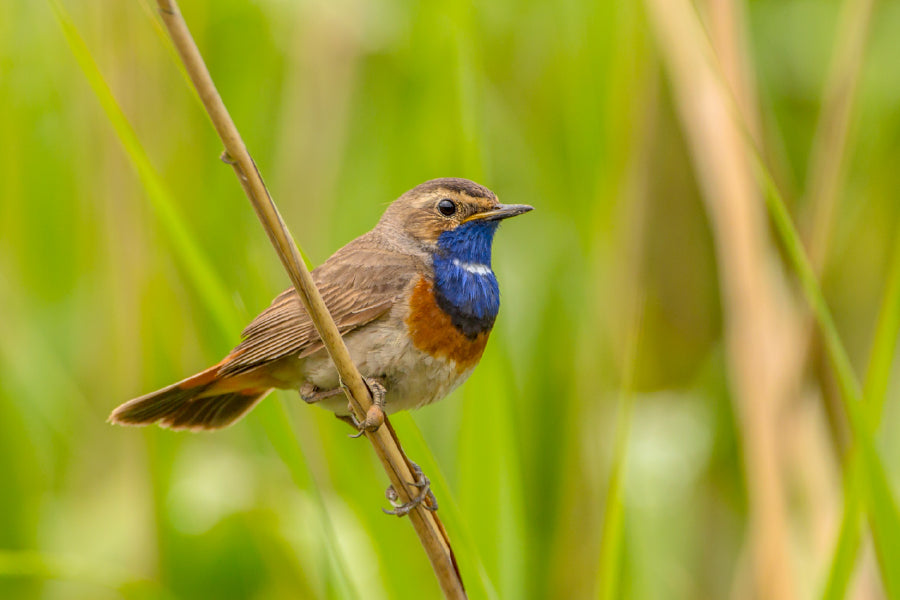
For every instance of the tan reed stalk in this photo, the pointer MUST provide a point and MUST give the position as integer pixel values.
(759, 315)
(387, 447)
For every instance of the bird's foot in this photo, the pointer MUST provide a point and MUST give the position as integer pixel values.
(311, 394)
(375, 415)
(424, 496)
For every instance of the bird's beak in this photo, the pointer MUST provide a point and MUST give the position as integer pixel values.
(504, 211)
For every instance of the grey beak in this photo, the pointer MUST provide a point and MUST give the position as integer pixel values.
(504, 211)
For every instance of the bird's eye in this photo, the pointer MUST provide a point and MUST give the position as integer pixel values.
(447, 207)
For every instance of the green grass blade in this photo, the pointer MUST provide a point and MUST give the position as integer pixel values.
(790, 239)
(276, 422)
(611, 543)
(844, 559)
(884, 345)
(883, 521)
(881, 356)
(882, 507)
(215, 297)
(490, 476)
(199, 269)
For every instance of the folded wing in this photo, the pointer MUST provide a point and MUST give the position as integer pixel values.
(359, 283)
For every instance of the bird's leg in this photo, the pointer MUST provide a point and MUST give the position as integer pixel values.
(374, 419)
(425, 497)
(311, 394)
(375, 414)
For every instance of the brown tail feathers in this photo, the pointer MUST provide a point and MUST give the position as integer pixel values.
(202, 401)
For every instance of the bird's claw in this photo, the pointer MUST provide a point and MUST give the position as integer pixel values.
(374, 419)
(425, 497)
(375, 415)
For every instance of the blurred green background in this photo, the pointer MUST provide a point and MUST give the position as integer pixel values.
(653, 418)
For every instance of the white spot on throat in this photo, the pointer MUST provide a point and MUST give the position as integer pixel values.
(474, 268)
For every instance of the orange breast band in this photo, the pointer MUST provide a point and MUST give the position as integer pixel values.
(433, 333)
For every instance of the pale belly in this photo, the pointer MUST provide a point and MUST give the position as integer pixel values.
(384, 351)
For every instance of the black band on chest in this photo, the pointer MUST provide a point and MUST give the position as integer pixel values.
(467, 324)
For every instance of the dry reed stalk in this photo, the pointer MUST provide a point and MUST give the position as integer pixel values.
(387, 447)
(761, 336)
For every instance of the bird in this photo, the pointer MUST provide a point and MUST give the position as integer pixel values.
(415, 300)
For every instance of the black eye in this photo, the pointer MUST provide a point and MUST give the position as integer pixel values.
(447, 207)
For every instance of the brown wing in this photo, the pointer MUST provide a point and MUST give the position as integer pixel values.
(359, 283)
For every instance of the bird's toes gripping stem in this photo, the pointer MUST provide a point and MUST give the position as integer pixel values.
(375, 415)
(311, 394)
(424, 496)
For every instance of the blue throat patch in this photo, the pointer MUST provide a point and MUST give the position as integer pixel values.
(464, 284)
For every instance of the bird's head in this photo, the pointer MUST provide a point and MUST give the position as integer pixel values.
(450, 217)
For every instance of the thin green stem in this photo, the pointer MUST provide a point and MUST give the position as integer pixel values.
(881, 356)
(882, 508)
(611, 541)
(848, 542)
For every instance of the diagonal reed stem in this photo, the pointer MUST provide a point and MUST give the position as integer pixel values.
(387, 447)
(196, 264)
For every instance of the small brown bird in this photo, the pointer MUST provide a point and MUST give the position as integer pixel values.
(415, 299)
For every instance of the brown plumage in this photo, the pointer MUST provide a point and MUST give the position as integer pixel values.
(412, 348)
(359, 283)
